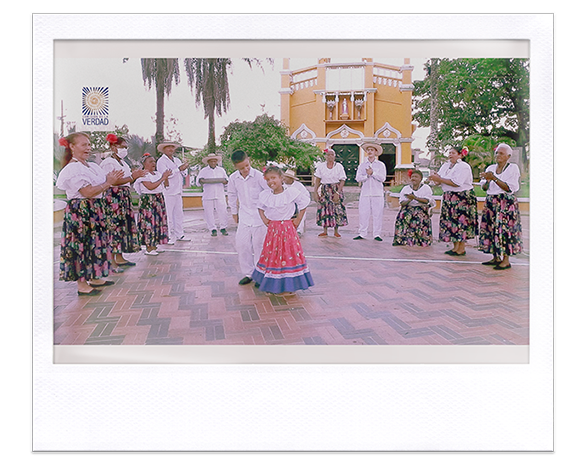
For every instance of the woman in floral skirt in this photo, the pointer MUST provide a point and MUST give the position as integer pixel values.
(118, 203)
(330, 175)
(458, 213)
(152, 222)
(85, 253)
(500, 226)
(413, 225)
(282, 267)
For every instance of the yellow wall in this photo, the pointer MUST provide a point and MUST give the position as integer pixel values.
(387, 92)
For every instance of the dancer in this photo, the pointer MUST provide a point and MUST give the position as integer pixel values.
(152, 222)
(85, 245)
(330, 176)
(212, 178)
(458, 215)
(500, 227)
(118, 207)
(244, 186)
(371, 173)
(282, 268)
(413, 225)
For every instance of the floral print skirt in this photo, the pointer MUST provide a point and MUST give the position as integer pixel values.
(329, 213)
(413, 227)
(458, 216)
(282, 266)
(500, 226)
(85, 251)
(152, 222)
(121, 220)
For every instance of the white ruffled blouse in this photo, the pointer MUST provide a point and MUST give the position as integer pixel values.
(281, 206)
(76, 175)
(110, 164)
(149, 177)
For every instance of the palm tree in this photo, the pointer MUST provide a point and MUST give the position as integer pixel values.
(209, 78)
(160, 72)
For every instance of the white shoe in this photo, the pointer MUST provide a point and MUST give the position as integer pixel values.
(183, 238)
(152, 253)
(171, 242)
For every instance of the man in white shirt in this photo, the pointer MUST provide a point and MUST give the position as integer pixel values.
(172, 194)
(244, 186)
(213, 178)
(371, 174)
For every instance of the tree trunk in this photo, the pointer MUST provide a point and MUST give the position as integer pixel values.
(211, 133)
(159, 115)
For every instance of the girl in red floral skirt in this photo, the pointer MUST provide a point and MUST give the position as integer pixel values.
(282, 267)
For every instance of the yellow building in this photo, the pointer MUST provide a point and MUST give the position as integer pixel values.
(343, 105)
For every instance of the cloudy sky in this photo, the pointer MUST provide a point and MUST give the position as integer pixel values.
(252, 92)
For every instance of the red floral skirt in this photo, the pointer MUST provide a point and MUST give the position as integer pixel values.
(282, 266)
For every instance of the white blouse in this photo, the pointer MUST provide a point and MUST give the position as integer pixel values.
(330, 176)
(141, 189)
(510, 175)
(110, 164)
(281, 206)
(424, 192)
(460, 173)
(76, 175)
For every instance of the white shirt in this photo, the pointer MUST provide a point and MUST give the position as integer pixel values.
(281, 206)
(149, 177)
(510, 175)
(110, 164)
(460, 173)
(243, 196)
(75, 175)
(424, 192)
(371, 185)
(303, 189)
(176, 179)
(330, 176)
(212, 190)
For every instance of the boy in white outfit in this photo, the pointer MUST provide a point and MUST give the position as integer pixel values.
(213, 178)
(291, 180)
(244, 186)
(371, 174)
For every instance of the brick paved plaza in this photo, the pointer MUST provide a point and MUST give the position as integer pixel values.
(365, 292)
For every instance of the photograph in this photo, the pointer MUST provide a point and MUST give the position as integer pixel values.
(290, 201)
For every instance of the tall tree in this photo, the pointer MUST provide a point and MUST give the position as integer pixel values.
(487, 97)
(208, 78)
(161, 73)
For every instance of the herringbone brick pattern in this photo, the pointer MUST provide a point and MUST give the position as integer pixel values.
(365, 292)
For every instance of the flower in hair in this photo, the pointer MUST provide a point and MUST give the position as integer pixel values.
(64, 142)
(112, 138)
(410, 172)
(146, 154)
(464, 151)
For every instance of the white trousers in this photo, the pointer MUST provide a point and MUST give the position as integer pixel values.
(219, 205)
(175, 216)
(370, 207)
(249, 241)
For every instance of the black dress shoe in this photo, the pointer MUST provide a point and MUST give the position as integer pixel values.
(127, 264)
(224, 232)
(214, 233)
(93, 292)
(245, 281)
(107, 283)
(450, 252)
(491, 262)
(358, 238)
(378, 238)
(498, 267)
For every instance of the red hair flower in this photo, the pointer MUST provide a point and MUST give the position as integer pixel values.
(64, 142)
(146, 154)
(112, 138)
(410, 172)
(464, 152)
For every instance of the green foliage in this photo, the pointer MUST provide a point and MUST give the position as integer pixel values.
(486, 97)
(98, 138)
(265, 140)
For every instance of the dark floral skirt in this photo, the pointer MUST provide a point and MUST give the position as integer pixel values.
(329, 213)
(121, 221)
(458, 216)
(85, 251)
(152, 220)
(413, 227)
(500, 226)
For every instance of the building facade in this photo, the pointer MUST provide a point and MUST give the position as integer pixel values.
(344, 105)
